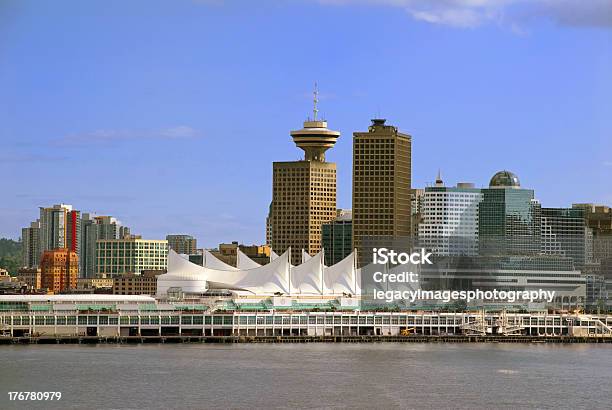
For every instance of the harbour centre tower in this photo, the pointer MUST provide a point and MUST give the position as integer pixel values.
(304, 191)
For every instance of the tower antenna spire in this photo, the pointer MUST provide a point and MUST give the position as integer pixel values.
(315, 100)
(439, 181)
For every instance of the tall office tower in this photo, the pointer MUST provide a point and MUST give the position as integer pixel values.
(183, 244)
(337, 237)
(31, 245)
(304, 192)
(59, 270)
(416, 203)
(381, 186)
(73, 232)
(89, 236)
(94, 228)
(59, 228)
(509, 218)
(130, 255)
(564, 233)
(269, 226)
(449, 225)
(111, 228)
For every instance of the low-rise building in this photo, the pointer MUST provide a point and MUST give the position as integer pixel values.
(31, 277)
(228, 252)
(131, 284)
(94, 283)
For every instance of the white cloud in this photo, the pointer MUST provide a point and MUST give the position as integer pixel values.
(473, 13)
(37, 158)
(115, 135)
(181, 131)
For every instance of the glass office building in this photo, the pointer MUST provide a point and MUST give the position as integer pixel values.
(564, 233)
(337, 237)
(509, 218)
(130, 255)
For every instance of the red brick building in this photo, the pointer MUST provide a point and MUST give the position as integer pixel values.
(59, 270)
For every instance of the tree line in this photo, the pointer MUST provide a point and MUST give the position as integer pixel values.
(10, 255)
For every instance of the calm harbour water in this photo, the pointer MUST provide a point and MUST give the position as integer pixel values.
(385, 375)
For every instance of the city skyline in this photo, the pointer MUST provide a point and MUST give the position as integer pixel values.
(204, 198)
(149, 145)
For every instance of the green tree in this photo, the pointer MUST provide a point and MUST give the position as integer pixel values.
(10, 255)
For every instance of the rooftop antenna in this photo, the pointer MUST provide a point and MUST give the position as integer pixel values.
(439, 181)
(315, 100)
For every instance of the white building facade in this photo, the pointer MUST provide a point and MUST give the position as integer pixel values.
(449, 225)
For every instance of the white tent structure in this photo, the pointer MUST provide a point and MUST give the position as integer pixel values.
(211, 261)
(273, 255)
(307, 278)
(243, 262)
(341, 278)
(182, 276)
(305, 256)
(194, 278)
(277, 277)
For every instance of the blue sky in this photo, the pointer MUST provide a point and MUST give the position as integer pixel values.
(169, 114)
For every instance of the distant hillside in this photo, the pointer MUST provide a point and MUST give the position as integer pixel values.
(10, 255)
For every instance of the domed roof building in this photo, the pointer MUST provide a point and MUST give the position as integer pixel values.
(504, 179)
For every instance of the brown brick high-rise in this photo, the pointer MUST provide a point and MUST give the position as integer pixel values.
(59, 270)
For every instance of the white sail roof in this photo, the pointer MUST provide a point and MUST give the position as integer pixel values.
(184, 274)
(211, 261)
(267, 279)
(358, 287)
(273, 255)
(405, 286)
(307, 278)
(305, 256)
(341, 277)
(244, 262)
